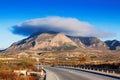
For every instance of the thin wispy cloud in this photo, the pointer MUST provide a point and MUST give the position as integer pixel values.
(69, 26)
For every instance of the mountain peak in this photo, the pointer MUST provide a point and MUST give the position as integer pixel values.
(60, 38)
(57, 40)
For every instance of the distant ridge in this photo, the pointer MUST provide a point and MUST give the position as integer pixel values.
(113, 44)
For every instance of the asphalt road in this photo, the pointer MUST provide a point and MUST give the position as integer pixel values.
(71, 74)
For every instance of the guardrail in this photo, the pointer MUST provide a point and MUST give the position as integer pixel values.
(105, 70)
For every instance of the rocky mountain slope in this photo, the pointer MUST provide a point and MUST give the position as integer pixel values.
(91, 42)
(44, 41)
(56, 41)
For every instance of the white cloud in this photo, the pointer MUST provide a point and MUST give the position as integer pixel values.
(70, 26)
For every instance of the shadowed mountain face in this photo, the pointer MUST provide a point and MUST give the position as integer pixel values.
(55, 42)
(113, 45)
(92, 42)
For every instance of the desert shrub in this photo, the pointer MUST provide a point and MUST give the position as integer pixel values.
(7, 75)
(64, 48)
(69, 47)
(32, 77)
(83, 59)
(1, 63)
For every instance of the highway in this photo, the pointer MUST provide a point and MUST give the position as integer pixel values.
(54, 73)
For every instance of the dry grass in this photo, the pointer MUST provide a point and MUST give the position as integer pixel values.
(7, 69)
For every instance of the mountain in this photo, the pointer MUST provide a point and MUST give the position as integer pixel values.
(45, 41)
(113, 44)
(91, 42)
(53, 41)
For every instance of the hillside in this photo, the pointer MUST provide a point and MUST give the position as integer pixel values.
(91, 42)
(52, 41)
(44, 41)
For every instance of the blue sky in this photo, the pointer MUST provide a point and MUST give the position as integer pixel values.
(103, 14)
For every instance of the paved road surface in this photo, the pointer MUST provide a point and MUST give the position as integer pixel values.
(70, 74)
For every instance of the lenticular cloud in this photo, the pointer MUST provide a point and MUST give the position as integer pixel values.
(69, 26)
